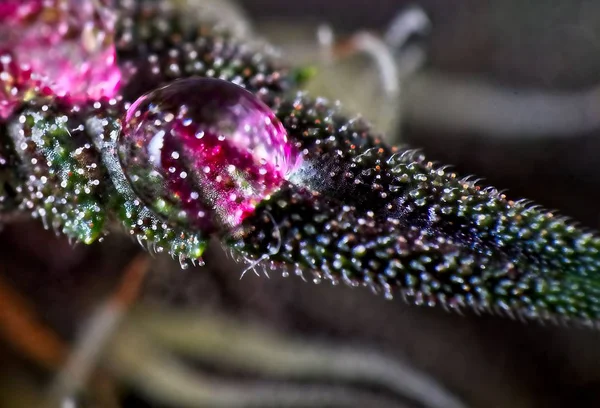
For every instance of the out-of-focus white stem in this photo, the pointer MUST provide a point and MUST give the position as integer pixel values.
(406, 24)
(438, 101)
(381, 53)
(84, 358)
(248, 348)
(326, 40)
(223, 12)
(95, 335)
(159, 375)
(394, 61)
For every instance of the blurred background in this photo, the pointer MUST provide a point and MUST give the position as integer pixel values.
(503, 89)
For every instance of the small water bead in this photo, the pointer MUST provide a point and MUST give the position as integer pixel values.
(203, 152)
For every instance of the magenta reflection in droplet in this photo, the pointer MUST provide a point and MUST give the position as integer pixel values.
(202, 152)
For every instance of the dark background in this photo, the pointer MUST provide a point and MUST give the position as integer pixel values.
(488, 361)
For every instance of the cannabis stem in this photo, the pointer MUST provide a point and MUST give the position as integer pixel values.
(351, 209)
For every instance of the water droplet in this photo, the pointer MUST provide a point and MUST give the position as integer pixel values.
(240, 159)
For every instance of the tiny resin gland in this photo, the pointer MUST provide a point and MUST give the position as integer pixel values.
(202, 152)
(66, 45)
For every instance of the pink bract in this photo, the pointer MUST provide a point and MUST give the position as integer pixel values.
(65, 45)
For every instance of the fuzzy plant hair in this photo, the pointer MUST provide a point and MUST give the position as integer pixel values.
(352, 209)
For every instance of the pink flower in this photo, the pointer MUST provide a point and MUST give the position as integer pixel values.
(65, 45)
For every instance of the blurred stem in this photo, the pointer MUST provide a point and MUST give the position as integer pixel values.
(439, 101)
(163, 378)
(249, 348)
(224, 13)
(101, 327)
(394, 61)
(381, 53)
(20, 326)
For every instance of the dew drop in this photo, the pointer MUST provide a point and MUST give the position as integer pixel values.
(243, 152)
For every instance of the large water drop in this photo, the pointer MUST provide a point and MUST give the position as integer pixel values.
(203, 152)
